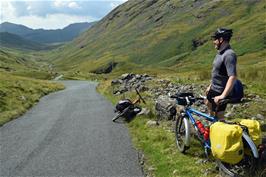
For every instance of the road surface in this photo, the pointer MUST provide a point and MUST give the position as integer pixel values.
(68, 133)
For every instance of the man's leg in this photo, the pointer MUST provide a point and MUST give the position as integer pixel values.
(220, 115)
(209, 105)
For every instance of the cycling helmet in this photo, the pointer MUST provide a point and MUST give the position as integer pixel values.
(224, 33)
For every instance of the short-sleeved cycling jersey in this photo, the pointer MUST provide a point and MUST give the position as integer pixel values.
(224, 65)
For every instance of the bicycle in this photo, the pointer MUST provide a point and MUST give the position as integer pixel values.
(127, 108)
(182, 134)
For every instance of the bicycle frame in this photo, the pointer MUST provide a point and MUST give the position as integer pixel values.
(189, 112)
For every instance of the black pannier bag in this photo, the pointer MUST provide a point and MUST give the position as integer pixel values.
(122, 104)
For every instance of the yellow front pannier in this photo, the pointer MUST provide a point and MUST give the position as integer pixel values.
(226, 142)
(253, 129)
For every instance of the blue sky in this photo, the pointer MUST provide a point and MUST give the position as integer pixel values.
(54, 14)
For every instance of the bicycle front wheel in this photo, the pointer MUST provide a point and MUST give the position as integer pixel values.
(247, 167)
(182, 133)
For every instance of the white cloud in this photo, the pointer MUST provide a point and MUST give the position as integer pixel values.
(73, 5)
(6, 9)
(53, 21)
(58, 3)
(52, 14)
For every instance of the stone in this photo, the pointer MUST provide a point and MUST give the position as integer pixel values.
(125, 76)
(263, 127)
(151, 169)
(229, 114)
(165, 107)
(23, 98)
(116, 81)
(151, 123)
(260, 117)
(175, 172)
(138, 76)
(144, 111)
(201, 161)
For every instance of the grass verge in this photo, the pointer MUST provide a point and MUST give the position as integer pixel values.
(158, 146)
(17, 94)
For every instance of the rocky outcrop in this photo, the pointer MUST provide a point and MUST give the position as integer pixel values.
(105, 69)
(129, 81)
(159, 89)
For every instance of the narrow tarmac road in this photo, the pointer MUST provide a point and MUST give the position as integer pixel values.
(68, 133)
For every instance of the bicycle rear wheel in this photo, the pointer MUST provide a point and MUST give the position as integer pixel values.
(182, 133)
(247, 166)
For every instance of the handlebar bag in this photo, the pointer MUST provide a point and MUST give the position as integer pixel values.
(226, 142)
(253, 129)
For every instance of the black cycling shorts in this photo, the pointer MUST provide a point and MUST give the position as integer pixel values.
(210, 96)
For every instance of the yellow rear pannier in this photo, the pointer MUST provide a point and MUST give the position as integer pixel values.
(253, 129)
(226, 142)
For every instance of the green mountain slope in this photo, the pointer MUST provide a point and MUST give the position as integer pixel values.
(21, 63)
(17, 93)
(162, 32)
(14, 41)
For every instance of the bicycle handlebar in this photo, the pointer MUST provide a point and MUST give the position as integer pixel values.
(191, 99)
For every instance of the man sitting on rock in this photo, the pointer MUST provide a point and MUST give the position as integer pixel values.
(223, 73)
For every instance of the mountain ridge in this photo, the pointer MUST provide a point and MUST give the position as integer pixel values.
(65, 34)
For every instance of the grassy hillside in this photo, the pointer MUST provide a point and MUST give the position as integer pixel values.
(17, 94)
(24, 63)
(14, 41)
(172, 34)
(20, 84)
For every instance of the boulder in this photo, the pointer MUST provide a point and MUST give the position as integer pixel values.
(165, 107)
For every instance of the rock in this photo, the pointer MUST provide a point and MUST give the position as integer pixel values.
(22, 98)
(141, 158)
(117, 93)
(260, 117)
(116, 81)
(201, 161)
(151, 123)
(125, 76)
(206, 172)
(175, 172)
(165, 107)
(151, 169)
(263, 127)
(130, 81)
(137, 76)
(229, 114)
(234, 107)
(142, 88)
(144, 111)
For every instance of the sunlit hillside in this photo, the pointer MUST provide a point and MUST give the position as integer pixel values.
(173, 34)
